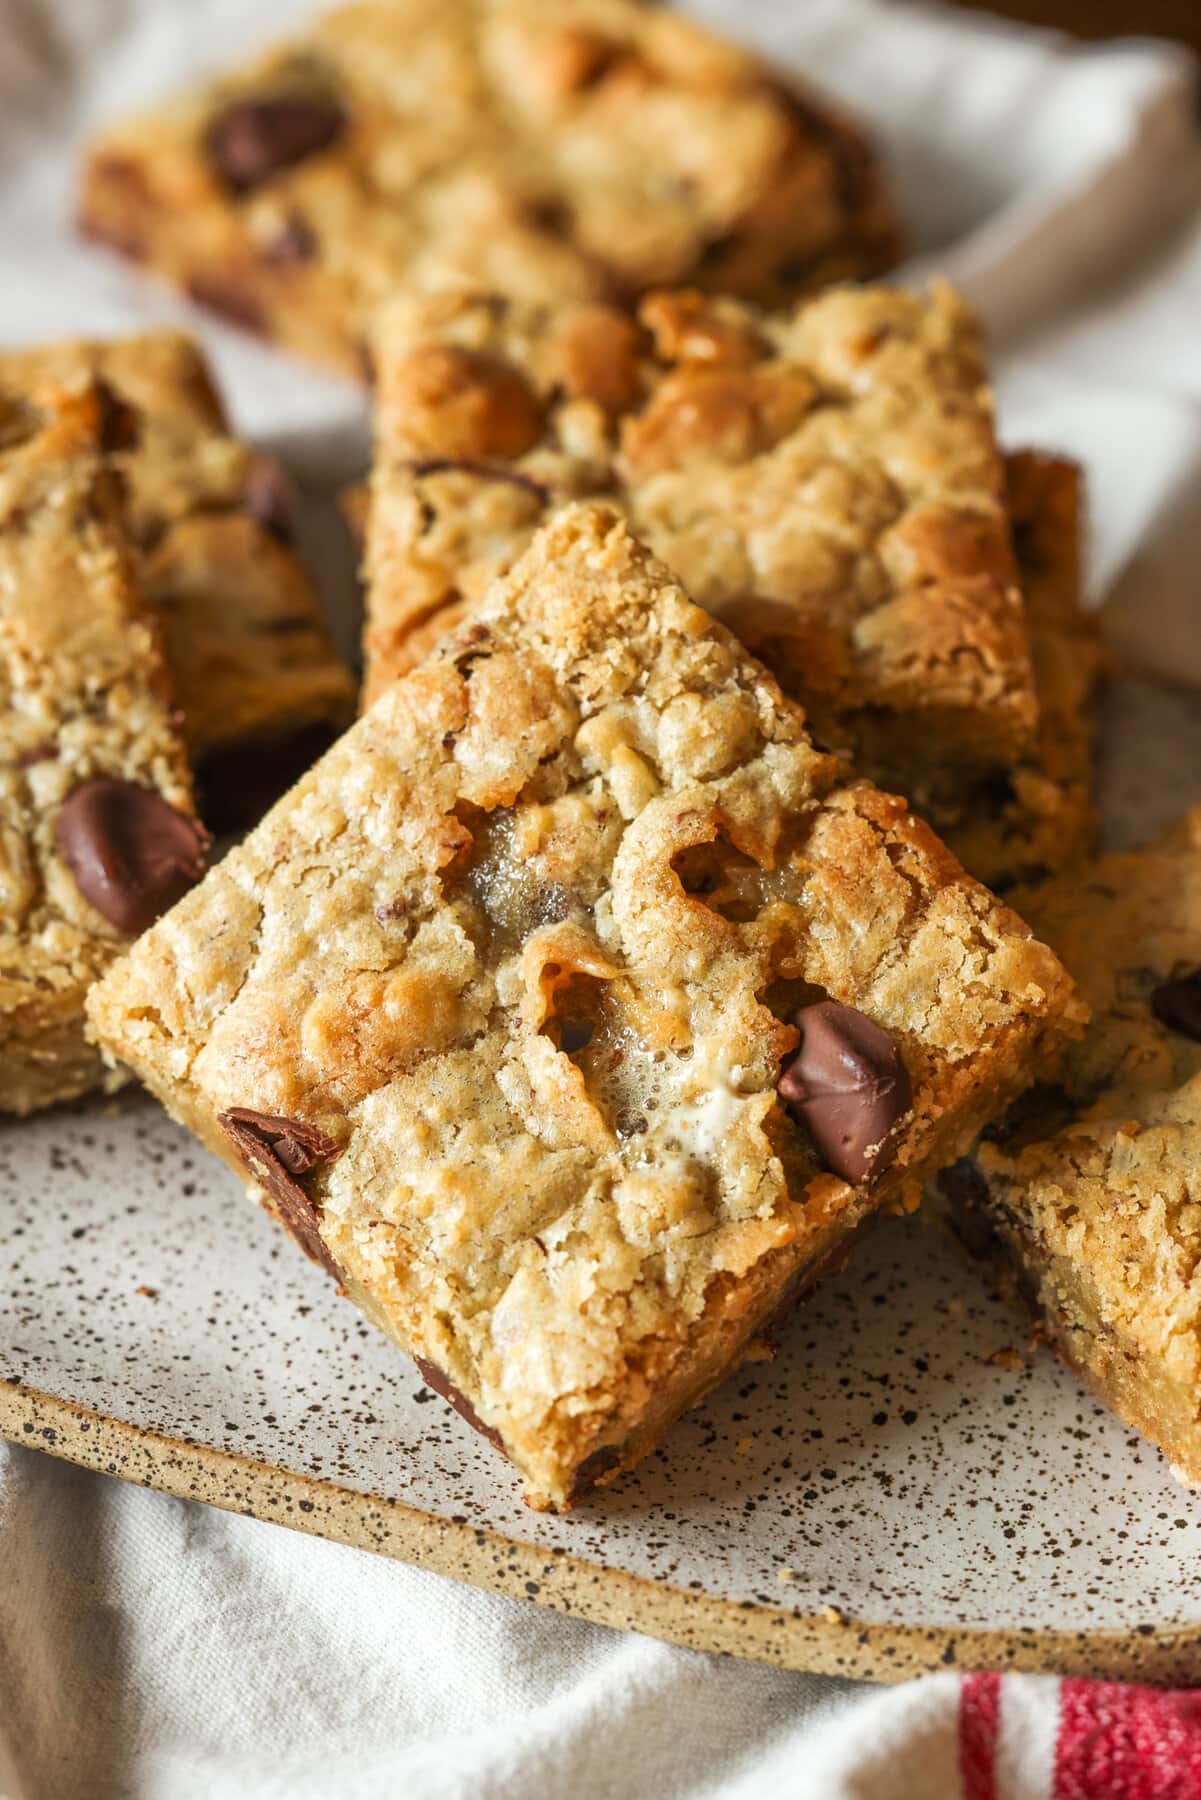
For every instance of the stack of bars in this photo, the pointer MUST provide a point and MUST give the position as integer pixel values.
(586, 999)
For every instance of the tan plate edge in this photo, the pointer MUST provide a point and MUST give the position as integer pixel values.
(822, 1645)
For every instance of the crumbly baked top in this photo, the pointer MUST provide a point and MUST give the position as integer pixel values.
(495, 1002)
(544, 147)
(1039, 817)
(1126, 924)
(250, 654)
(826, 482)
(1100, 1169)
(97, 830)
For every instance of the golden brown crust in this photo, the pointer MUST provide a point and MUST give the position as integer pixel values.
(1092, 1187)
(249, 651)
(1040, 817)
(516, 156)
(826, 482)
(526, 946)
(83, 695)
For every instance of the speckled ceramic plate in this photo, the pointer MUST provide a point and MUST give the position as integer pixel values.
(903, 1488)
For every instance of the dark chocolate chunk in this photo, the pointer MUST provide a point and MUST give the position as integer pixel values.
(847, 1087)
(271, 498)
(442, 1384)
(1177, 1004)
(131, 854)
(253, 140)
(277, 1151)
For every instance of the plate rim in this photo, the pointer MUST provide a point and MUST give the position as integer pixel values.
(830, 1643)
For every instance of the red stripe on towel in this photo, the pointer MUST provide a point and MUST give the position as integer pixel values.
(979, 1720)
(1127, 1743)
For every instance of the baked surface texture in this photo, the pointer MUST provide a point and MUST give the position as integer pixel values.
(1091, 1191)
(255, 673)
(1040, 817)
(826, 482)
(84, 699)
(546, 148)
(508, 978)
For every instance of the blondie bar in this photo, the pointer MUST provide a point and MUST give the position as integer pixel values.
(257, 680)
(97, 829)
(826, 482)
(1040, 818)
(493, 1007)
(542, 147)
(1091, 1191)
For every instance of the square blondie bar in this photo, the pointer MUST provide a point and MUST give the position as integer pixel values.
(493, 1006)
(826, 482)
(1090, 1194)
(256, 677)
(543, 147)
(1039, 817)
(97, 828)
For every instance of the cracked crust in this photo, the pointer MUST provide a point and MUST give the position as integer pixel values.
(255, 674)
(525, 946)
(83, 694)
(545, 147)
(1040, 817)
(1092, 1190)
(826, 482)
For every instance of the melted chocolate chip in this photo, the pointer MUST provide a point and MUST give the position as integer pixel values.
(847, 1087)
(253, 140)
(442, 1384)
(575, 1034)
(1177, 1004)
(276, 1151)
(271, 498)
(131, 854)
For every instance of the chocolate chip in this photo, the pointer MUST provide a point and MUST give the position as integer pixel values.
(252, 140)
(276, 1151)
(442, 1384)
(271, 498)
(1177, 1004)
(847, 1087)
(575, 1034)
(131, 854)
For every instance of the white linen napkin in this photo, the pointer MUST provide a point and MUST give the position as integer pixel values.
(151, 1647)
